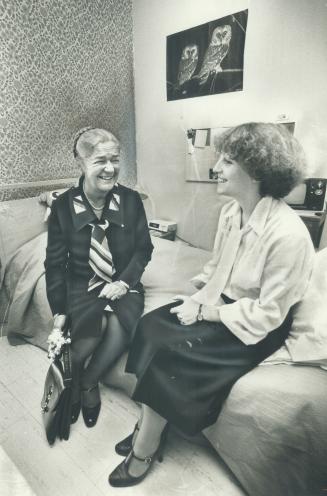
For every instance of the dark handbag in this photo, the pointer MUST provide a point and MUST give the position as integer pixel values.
(56, 403)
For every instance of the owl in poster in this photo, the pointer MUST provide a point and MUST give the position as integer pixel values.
(187, 64)
(216, 52)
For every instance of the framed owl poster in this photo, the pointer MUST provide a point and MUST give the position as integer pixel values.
(207, 59)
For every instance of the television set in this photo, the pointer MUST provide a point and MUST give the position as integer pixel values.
(309, 195)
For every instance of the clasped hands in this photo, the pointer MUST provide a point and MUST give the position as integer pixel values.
(113, 290)
(187, 312)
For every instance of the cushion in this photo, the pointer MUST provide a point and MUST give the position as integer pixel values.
(30, 317)
(307, 342)
(20, 221)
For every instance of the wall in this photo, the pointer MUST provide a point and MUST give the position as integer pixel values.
(285, 73)
(64, 64)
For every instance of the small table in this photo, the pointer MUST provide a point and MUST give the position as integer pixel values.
(314, 220)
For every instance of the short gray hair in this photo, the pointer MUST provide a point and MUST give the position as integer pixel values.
(87, 138)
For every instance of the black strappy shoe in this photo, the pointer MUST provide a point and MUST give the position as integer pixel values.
(90, 413)
(120, 477)
(125, 446)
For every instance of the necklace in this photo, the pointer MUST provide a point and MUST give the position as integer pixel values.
(91, 203)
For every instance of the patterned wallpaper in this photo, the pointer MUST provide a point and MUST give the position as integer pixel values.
(64, 64)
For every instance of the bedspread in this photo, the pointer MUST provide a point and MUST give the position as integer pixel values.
(272, 431)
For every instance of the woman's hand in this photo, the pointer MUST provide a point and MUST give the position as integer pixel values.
(42, 198)
(59, 321)
(113, 291)
(56, 338)
(187, 312)
(47, 197)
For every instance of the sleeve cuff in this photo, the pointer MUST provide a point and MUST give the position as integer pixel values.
(211, 313)
(227, 317)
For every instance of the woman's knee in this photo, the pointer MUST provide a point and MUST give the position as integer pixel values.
(147, 331)
(114, 327)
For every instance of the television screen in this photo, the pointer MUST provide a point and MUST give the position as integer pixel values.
(297, 195)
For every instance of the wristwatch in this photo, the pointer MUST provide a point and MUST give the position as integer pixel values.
(200, 314)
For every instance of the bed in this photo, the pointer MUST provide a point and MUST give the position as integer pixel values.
(272, 432)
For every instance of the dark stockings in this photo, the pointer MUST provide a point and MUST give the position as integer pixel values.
(104, 351)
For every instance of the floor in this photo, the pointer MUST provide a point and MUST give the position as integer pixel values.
(80, 466)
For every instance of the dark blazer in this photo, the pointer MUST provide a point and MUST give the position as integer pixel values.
(69, 236)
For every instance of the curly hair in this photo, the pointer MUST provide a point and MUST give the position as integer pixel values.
(268, 152)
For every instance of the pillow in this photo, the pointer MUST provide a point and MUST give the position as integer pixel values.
(20, 221)
(307, 342)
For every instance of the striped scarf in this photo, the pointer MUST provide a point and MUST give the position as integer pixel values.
(100, 258)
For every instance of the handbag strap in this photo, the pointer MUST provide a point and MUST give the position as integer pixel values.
(66, 327)
(66, 360)
(66, 356)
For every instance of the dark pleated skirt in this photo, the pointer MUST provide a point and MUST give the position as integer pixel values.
(86, 310)
(186, 372)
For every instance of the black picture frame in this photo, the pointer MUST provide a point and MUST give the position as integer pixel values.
(192, 77)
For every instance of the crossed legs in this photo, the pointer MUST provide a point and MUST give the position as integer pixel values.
(104, 351)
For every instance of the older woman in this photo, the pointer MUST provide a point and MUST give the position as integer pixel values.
(98, 247)
(187, 355)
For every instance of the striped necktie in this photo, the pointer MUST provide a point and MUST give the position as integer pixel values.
(100, 258)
